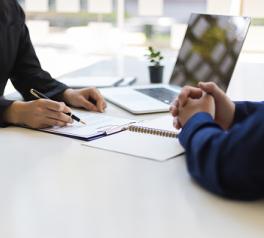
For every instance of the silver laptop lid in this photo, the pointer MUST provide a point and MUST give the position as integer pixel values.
(210, 49)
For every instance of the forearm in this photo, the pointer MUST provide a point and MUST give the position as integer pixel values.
(226, 163)
(41, 81)
(244, 109)
(27, 72)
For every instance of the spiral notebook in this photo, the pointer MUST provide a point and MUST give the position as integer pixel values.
(155, 139)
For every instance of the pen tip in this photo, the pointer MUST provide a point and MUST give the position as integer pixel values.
(83, 122)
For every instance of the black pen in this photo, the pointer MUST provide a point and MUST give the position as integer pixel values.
(39, 95)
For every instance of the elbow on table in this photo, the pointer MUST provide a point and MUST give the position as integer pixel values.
(232, 181)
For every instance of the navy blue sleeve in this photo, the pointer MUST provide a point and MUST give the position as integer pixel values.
(228, 163)
(244, 109)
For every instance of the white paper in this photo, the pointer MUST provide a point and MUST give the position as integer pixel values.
(150, 8)
(36, 5)
(253, 8)
(142, 145)
(99, 82)
(96, 123)
(231, 7)
(68, 5)
(100, 6)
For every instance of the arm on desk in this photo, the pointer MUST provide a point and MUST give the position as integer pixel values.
(27, 72)
(22, 63)
(244, 109)
(228, 163)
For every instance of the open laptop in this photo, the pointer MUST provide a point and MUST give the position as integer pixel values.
(209, 52)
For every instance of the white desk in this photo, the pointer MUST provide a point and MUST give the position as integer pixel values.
(52, 187)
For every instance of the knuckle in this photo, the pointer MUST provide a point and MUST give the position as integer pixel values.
(63, 117)
(39, 102)
(68, 119)
(58, 107)
(59, 116)
(56, 123)
(186, 89)
(39, 110)
(80, 97)
(181, 96)
(212, 85)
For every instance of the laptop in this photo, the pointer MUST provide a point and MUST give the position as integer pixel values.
(209, 53)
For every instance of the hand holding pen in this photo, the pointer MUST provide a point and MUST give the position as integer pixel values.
(38, 114)
(68, 112)
(43, 113)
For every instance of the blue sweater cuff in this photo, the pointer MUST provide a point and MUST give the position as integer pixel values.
(196, 121)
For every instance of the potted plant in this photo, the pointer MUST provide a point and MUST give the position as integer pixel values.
(155, 69)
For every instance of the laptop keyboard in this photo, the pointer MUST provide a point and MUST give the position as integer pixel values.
(162, 94)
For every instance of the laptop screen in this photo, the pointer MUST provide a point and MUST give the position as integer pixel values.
(210, 50)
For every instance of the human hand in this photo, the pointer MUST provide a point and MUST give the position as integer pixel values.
(41, 113)
(186, 93)
(225, 108)
(83, 98)
(204, 104)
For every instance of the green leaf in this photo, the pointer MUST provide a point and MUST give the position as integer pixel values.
(154, 56)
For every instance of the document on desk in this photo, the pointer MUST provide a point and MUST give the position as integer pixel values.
(95, 81)
(142, 145)
(97, 125)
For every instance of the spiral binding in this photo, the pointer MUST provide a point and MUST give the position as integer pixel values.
(152, 131)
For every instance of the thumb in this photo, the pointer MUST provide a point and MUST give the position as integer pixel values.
(211, 88)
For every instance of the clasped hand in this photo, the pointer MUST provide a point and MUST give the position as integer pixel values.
(207, 97)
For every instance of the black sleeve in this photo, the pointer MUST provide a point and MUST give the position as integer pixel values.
(27, 72)
(4, 104)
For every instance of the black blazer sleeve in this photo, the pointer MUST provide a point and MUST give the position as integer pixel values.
(26, 71)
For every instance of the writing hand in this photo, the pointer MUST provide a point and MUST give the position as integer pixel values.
(41, 113)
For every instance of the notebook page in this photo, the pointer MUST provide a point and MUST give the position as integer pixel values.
(142, 145)
(161, 123)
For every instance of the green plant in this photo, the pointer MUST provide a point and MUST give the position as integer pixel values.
(154, 56)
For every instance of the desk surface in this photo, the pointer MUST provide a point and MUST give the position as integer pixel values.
(52, 186)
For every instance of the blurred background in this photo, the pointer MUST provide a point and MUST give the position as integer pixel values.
(71, 34)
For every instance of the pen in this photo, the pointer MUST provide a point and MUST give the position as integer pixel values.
(39, 95)
(116, 84)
